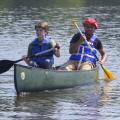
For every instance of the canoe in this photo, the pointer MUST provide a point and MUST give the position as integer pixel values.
(31, 79)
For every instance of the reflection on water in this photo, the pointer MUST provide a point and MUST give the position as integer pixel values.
(60, 104)
(76, 103)
(87, 102)
(17, 20)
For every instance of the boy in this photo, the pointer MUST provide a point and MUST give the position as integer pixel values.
(42, 43)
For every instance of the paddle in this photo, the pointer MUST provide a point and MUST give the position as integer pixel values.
(107, 74)
(5, 65)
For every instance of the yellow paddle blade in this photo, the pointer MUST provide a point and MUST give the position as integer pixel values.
(74, 23)
(108, 75)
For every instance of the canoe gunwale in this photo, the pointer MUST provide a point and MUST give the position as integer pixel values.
(53, 70)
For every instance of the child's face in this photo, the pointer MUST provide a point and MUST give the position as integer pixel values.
(40, 33)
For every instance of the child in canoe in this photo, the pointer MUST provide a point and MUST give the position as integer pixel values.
(42, 43)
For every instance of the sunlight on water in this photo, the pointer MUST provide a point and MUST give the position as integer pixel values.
(94, 102)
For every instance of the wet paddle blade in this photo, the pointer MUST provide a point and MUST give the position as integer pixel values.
(108, 75)
(5, 65)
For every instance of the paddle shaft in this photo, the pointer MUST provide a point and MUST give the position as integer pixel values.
(35, 55)
(91, 50)
(5, 65)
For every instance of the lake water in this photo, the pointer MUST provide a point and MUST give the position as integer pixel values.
(93, 102)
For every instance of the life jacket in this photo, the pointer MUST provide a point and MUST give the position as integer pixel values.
(39, 46)
(84, 53)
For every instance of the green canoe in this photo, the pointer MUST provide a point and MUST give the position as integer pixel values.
(31, 79)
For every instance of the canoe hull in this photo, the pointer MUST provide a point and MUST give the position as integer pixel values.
(29, 79)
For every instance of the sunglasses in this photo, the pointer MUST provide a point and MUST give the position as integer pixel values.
(89, 26)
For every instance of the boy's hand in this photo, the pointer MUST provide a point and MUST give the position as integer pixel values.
(57, 46)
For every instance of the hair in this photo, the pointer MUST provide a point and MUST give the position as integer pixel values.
(42, 24)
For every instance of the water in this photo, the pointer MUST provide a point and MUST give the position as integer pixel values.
(17, 19)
